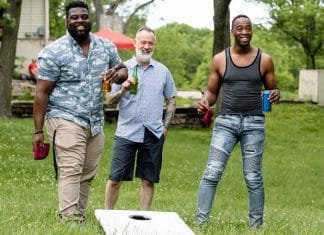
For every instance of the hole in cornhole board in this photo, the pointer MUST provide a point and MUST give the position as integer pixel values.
(140, 217)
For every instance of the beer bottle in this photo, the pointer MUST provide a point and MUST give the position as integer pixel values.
(106, 86)
(133, 87)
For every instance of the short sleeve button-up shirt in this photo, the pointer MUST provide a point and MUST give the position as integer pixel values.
(77, 92)
(145, 109)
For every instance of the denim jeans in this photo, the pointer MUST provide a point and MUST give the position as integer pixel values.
(227, 132)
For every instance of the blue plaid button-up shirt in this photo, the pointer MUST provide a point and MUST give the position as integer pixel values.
(77, 92)
(145, 109)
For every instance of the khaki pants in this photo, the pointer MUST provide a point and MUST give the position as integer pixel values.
(77, 156)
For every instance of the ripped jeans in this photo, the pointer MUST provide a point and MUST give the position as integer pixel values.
(227, 132)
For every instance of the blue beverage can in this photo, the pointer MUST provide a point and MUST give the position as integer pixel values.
(266, 105)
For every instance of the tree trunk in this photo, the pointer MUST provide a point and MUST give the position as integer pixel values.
(310, 61)
(99, 12)
(7, 58)
(221, 32)
(313, 66)
(309, 55)
(221, 25)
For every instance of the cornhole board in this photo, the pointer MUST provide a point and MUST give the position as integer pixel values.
(122, 222)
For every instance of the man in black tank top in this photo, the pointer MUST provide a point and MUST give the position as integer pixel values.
(242, 71)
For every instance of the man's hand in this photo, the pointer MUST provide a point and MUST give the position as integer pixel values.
(110, 75)
(274, 96)
(165, 132)
(127, 84)
(202, 106)
(38, 140)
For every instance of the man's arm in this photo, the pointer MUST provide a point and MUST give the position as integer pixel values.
(169, 113)
(214, 83)
(114, 97)
(269, 80)
(43, 89)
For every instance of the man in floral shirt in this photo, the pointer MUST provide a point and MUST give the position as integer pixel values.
(69, 97)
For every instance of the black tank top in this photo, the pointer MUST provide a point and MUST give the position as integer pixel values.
(242, 88)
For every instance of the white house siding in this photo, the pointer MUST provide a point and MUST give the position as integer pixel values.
(28, 49)
(33, 30)
(32, 18)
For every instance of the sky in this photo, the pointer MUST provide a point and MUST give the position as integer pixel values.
(199, 13)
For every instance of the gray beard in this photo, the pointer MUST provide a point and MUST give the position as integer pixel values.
(143, 58)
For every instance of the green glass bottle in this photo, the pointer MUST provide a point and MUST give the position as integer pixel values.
(133, 87)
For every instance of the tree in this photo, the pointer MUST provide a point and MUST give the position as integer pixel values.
(7, 56)
(221, 30)
(99, 11)
(286, 56)
(182, 49)
(221, 25)
(301, 21)
(57, 18)
(136, 10)
(128, 14)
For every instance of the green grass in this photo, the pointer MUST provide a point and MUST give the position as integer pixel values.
(293, 176)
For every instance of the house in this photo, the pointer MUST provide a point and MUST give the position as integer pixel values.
(33, 33)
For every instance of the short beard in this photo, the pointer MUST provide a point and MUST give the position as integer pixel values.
(80, 37)
(145, 58)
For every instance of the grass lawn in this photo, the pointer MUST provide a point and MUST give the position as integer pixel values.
(293, 177)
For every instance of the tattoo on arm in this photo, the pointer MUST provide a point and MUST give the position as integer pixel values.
(170, 111)
(114, 97)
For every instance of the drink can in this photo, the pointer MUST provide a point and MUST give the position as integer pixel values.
(266, 105)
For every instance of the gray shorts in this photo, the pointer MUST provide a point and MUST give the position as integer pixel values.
(148, 156)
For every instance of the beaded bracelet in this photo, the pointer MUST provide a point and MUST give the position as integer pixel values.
(38, 132)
